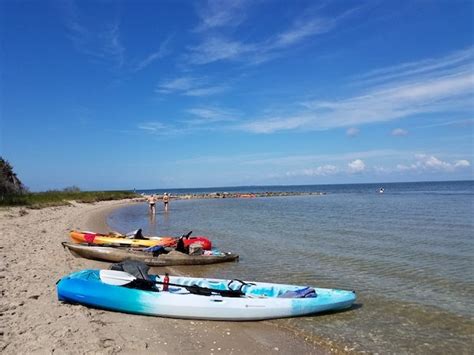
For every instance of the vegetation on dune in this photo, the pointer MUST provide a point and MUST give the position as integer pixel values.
(12, 190)
(14, 193)
(56, 198)
(9, 182)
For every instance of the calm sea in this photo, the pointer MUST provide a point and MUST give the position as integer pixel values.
(408, 253)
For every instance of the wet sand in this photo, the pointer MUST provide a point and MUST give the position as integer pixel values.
(32, 320)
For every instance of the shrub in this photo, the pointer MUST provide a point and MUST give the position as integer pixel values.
(10, 184)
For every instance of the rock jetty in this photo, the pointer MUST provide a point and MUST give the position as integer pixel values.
(241, 195)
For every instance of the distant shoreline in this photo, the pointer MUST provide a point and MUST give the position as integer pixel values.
(285, 190)
(250, 188)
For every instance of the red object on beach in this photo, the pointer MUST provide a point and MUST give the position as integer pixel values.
(166, 281)
(205, 243)
(89, 237)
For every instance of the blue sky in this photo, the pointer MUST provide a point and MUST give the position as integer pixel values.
(160, 94)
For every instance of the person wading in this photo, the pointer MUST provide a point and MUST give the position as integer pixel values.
(151, 202)
(166, 200)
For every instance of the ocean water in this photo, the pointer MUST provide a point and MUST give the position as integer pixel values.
(409, 254)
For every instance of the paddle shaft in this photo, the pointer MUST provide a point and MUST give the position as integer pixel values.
(228, 293)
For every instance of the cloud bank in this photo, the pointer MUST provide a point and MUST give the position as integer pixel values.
(448, 86)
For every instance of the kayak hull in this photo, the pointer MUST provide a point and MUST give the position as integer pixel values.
(116, 255)
(85, 287)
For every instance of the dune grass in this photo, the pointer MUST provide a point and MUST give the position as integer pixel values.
(60, 198)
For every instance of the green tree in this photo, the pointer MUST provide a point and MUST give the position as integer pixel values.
(9, 182)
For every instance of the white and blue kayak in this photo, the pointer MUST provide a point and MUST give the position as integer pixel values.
(198, 298)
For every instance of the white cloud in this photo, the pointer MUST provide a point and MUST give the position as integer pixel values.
(356, 166)
(210, 115)
(217, 48)
(425, 162)
(352, 132)
(336, 166)
(203, 118)
(459, 123)
(301, 30)
(382, 170)
(461, 164)
(425, 66)
(189, 86)
(159, 129)
(160, 53)
(178, 84)
(206, 91)
(99, 40)
(276, 124)
(429, 161)
(438, 92)
(318, 171)
(330, 158)
(152, 127)
(397, 132)
(221, 13)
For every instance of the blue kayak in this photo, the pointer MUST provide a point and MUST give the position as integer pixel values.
(198, 298)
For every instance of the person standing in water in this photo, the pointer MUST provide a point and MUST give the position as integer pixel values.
(166, 200)
(151, 202)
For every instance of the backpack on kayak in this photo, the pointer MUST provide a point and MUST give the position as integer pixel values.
(156, 250)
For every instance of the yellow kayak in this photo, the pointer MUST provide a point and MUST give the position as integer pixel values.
(97, 238)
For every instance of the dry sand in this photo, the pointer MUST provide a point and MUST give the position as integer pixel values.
(32, 320)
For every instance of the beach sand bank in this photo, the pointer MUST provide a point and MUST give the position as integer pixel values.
(32, 320)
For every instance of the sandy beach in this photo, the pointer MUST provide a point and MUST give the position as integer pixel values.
(34, 321)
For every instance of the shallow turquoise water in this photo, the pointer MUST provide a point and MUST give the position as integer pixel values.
(408, 253)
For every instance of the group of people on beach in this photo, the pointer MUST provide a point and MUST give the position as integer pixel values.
(152, 199)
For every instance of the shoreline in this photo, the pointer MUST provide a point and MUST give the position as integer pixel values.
(33, 320)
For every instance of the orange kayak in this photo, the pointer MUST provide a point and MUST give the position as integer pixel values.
(97, 238)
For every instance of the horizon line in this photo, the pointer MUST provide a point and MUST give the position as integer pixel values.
(298, 185)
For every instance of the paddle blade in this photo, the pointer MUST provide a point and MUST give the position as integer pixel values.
(117, 278)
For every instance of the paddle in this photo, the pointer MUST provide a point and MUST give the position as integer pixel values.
(121, 278)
